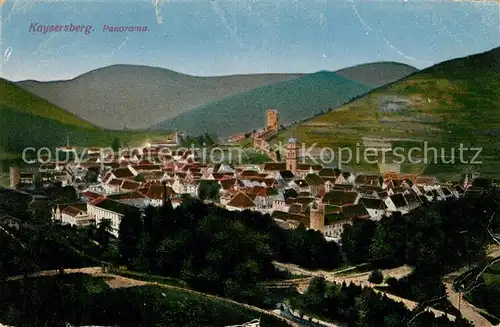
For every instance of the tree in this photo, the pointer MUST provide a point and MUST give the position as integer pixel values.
(376, 277)
(103, 233)
(116, 144)
(91, 175)
(129, 232)
(357, 239)
(209, 190)
(389, 241)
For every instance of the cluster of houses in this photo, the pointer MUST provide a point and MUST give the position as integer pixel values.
(320, 198)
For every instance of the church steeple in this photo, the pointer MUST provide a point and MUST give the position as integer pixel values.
(292, 151)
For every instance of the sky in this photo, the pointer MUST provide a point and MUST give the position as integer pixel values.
(208, 38)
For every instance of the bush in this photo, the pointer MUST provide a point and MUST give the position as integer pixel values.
(376, 277)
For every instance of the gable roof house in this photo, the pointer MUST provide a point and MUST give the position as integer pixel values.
(120, 173)
(288, 220)
(239, 202)
(284, 176)
(316, 183)
(426, 182)
(340, 198)
(369, 191)
(265, 197)
(113, 186)
(74, 214)
(397, 202)
(368, 179)
(345, 178)
(109, 209)
(304, 169)
(413, 200)
(274, 167)
(135, 199)
(334, 225)
(299, 185)
(128, 186)
(376, 208)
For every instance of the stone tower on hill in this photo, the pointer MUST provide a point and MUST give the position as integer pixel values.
(272, 120)
(317, 216)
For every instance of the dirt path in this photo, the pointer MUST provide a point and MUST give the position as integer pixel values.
(468, 310)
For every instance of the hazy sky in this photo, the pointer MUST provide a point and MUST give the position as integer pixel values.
(235, 37)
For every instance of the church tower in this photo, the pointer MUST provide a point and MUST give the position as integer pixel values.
(292, 150)
(317, 216)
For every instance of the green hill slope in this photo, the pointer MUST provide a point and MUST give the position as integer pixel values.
(295, 99)
(452, 103)
(30, 121)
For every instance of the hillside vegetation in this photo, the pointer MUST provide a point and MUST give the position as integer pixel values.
(30, 121)
(84, 300)
(452, 103)
(295, 99)
(136, 97)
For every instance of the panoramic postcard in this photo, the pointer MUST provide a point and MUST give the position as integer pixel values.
(232, 163)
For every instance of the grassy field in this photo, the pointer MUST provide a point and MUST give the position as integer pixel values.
(453, 103)
(29, 121)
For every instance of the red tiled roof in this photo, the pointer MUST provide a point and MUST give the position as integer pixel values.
(116, 182)
(241, 200)
(98, 200)
(130, 185)
(91, 195)
(126, 196)
(122, 173)
(148, 167)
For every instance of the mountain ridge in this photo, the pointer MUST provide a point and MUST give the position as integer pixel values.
(115, 96)
(138, 96)
(295, 99)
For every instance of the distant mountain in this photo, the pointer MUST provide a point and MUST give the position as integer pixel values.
(453, 103)
(295, 99)
(30, 121)
(136, 97)
(378, 73)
